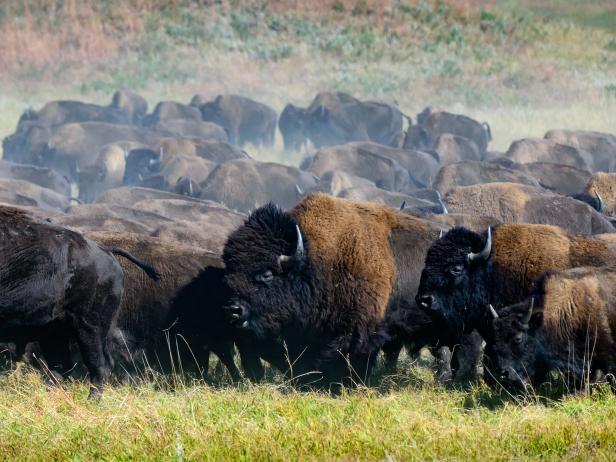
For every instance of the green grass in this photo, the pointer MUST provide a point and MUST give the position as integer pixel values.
(408, 420)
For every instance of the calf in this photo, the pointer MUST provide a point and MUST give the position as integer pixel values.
(569, 325)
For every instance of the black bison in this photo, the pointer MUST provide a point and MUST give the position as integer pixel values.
(56, 285)
(568, 325)
(333, 280)
(245, 120)
(465, 271)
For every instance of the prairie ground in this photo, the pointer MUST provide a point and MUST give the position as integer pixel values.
(524, 66)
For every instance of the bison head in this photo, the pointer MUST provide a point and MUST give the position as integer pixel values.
(515, 347)
(269, 274)
(453, 288)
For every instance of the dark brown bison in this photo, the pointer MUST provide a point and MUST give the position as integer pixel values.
(179, 316)
(465, 271)
(56, 285)
(333, 280)
(559, 178)
(245, 120)
(567, 325)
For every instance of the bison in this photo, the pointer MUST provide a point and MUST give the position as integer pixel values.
(245, 120)
(332, 279)
(465, 271)
(185, 303)
(57, 285)
(567, 325)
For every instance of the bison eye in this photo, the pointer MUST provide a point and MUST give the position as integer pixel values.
(456, 270)
(519, 338)
(265, 277)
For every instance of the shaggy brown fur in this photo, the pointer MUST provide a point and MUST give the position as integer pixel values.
(517, 203)
(351, 239)
(522, 253)
(575, 303)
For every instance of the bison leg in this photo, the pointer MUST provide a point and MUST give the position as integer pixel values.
(443, 357)
(91, 343)
(391, 350)
(225, 353)
(251, 361)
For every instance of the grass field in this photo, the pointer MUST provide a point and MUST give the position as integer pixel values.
(407, 418)
(525, 66)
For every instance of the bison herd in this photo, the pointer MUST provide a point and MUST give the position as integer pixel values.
(133, 240)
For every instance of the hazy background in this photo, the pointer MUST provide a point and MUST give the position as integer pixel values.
(524, 66)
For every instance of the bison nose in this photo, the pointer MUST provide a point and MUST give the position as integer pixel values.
(237, 312)
(426, 301)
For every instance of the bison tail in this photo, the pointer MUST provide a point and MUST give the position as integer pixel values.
(146, 267)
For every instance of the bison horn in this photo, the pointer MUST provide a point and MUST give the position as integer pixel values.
(485, 253)
(298, 256)
(403, 205)
(299, 191)
(440, 201)
(440, 234)
(526, 318)
(493, 311)
(601, 203)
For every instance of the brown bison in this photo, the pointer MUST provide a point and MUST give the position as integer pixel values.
(517, 203)
(475, 172)
(568, 325)
(546, 150)
(331, 279)
(465, 271)
(179, 316)
(133, 105)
